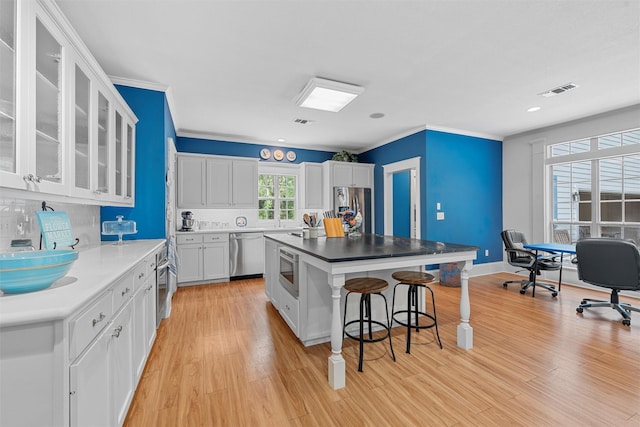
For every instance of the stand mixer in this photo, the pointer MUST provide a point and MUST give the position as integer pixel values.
(187, 221)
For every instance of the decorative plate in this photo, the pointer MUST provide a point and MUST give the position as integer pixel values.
(291, 156)
(265, 153)
(278, 155)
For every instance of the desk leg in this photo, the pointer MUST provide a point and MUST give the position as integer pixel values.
(337, 367)
(465, 331)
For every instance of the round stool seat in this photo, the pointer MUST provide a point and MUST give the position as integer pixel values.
(413, 277)
(366, 285)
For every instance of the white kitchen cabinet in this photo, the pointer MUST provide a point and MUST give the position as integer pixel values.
(215, 260)
(90, 385)
(232, 183)
(57, 120)
(71, 349)
(203, 257)
(216, 182)
(121, 355)
(347, 174)
(271, 260)
(144, 314)
(191, 185)
(312, 185)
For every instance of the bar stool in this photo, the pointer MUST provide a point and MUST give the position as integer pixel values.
(367, 286)
(414, 280)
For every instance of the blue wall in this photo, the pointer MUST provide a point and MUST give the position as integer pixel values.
(405, 148)
(154, 126)
(468, 186)
(225, 148)
(402, 204)
(463, 174)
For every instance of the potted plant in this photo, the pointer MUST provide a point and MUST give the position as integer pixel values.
(345, 156)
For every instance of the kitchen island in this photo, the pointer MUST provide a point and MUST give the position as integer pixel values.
(314, 314)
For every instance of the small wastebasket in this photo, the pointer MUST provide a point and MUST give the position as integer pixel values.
(450, 274)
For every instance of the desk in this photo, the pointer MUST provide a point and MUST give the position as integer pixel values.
(554, 248)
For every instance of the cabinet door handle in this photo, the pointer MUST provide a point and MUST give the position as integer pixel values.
(116, 332)
(126, 290)
(100, 318)
(140, 276)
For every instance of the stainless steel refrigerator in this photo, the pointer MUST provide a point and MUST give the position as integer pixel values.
(358, 200)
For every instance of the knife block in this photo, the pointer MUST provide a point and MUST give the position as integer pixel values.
(333, 227)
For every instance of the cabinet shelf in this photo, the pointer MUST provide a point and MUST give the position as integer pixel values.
(47, 137)
(5, 45)
(42, 78)
(5, 115)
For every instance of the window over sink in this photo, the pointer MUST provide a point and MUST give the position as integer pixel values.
(277, 197)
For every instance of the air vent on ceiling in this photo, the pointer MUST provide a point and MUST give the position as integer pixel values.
(558, 90)
(303, 121)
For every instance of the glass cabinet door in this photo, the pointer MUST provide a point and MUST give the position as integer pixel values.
(119, 169)
(103, 144)
(48, 105)
(130, 160)
(7, 86)
(81, 129)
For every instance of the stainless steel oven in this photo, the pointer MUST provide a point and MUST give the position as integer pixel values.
(288, 272)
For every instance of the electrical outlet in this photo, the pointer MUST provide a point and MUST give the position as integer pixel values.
(439, 216)
(486, 252)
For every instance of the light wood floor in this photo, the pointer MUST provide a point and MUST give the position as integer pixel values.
(226, 358)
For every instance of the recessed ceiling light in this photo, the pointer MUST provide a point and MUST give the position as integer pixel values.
(327, 95)
(532, 109)
(281, 140)
(376, 115)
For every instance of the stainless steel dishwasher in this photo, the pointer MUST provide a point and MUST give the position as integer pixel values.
(246, 254)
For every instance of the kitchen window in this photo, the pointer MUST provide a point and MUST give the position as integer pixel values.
(277, 197)
(595, 186)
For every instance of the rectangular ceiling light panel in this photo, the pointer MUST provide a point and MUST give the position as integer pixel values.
(327, 95)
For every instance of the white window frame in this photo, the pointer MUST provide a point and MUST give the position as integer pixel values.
(594, 156)
(271, 168)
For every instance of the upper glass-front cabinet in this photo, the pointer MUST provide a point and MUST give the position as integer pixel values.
(8, 86)
(64, 128)
(48, 147)
(81, 130)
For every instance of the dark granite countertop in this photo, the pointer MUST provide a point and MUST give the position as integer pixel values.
(367, 246)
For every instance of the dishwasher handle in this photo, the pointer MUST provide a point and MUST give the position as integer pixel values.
(245, 236)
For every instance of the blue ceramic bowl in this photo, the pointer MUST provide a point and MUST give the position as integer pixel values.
(33, 271)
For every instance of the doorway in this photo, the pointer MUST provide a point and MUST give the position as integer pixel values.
(402, 198)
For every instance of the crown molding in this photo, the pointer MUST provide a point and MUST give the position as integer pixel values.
(158, 87)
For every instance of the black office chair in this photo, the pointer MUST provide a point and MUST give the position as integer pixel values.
(518, 256)
(610, 263)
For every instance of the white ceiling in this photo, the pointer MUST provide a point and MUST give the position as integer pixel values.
(234, 68)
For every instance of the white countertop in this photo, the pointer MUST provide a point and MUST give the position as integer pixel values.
(242, 230)
(93, 272)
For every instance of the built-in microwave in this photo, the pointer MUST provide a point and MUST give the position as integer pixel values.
(288, 272)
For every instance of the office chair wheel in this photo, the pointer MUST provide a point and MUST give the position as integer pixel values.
(626, 322)
(579, 309)
(555, 294)
(522, 291)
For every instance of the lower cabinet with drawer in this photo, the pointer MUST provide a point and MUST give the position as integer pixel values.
(203, 258)
(79, 365)
(108, 351)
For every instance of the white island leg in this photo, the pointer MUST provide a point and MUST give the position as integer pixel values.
(337, 367)
(465, 331)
